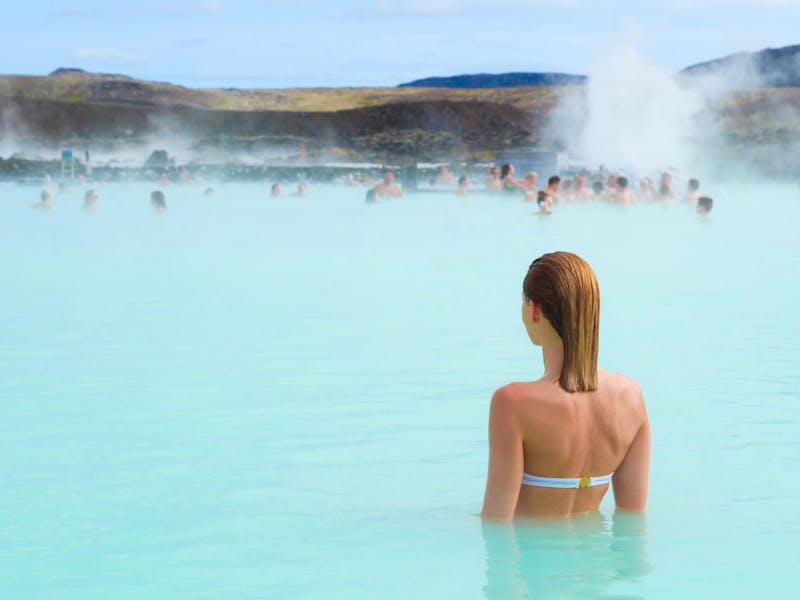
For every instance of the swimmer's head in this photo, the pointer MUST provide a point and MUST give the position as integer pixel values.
(444, 169)
(45, 195)
(388, 176)
(562, 289)
(542, 197)
(506, 170)
(531, 176)
(90, 198)
(371, 196)
(580, 180)
(554, 182)
(704, 205)
(622, 183)
(666, 179)
(494, 171)
(463, 181)
(597, 187)
(663, 189)
(275, 190)
(157, 200)
(694, 185)
(209, 192)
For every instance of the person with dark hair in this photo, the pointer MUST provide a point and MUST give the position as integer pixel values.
(45, 200)
(704, 205)
(507, 178)
(597, 189)
(372, 196)
(544, 202)
(157, 201)
(275, 190)
(621, 194)
(463, 184)
(209, 192)
(692, 193)
(553, 185)
(388, 188)
(556, 443)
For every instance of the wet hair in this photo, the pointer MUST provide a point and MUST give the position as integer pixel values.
(462, 180)
(564, 286)
(157, 199)
(694, 184)
(705, 202)
(542, 197)
(276, 187)
(553, 180)
(663, 189)
(622, 182)
(371, 196)
(505, 170)
(597, 187)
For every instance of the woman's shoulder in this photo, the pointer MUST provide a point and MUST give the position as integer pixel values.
(621, 386)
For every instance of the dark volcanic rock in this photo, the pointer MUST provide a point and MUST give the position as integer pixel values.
(487, 80)
(773, 67)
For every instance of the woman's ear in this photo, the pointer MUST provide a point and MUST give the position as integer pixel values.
(534, 312)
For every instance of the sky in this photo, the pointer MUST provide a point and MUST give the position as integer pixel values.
(309, 43)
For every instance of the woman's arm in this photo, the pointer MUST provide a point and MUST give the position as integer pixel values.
(631, 477)
(505, 459)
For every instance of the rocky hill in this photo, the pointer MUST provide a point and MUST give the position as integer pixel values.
(502, 80)
(772, 68)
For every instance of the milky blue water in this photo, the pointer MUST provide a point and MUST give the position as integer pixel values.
(247, 397)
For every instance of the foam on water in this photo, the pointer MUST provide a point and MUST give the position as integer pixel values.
(246, 397)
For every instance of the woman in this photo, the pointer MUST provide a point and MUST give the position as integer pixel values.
(507, 178)
(556, 443)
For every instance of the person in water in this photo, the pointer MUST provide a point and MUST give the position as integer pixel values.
(301, 190)
(463, 185)
(622, 194)
(646, 189)
(509, 184)
(445, 178)
(529, 183)
(704, 205)
(692, 193)
(493, 183)
(544, 202)
(581, 193)
(665, 188)
(388, 188)
(45, 200)
(157, 201)
(553, 185)
(275, 190)
(556, 443)
(90, 200)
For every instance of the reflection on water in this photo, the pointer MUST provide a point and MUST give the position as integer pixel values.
(587, 556)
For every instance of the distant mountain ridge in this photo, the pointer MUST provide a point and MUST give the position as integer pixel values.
(771, 67)
(501, 80)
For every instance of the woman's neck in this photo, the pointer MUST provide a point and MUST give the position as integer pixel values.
(553, 355)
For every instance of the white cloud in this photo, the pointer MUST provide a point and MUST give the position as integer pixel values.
(109, 54)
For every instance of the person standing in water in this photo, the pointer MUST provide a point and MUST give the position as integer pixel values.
(301, 190)
(581, 193)
(509, 184)
(157, 201)
(621, 194)
(463, 185)
(553, 185)
(704, 205)
(556, 443)
(493, 183)
(692, 193)
(45, 200)
(388, 188)
(90, 200)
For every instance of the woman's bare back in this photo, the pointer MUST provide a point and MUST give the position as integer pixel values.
(580, 434)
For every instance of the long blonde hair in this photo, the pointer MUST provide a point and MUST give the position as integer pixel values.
(565, 288)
